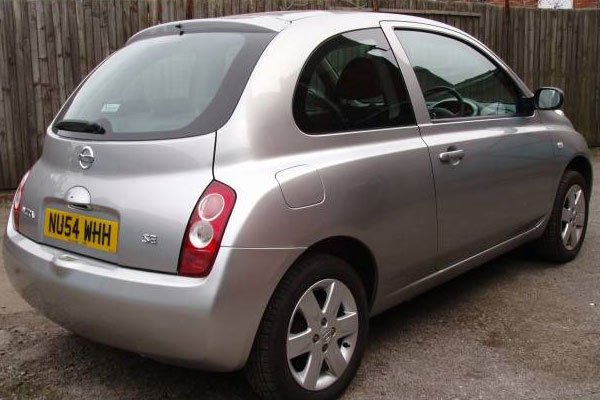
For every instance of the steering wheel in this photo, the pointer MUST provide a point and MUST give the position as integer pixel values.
(453, 92)
(330, 104)
(384, 109)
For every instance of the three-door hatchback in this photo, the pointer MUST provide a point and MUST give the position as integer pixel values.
(248, 191)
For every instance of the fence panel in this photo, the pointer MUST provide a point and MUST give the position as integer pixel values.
(48, 46)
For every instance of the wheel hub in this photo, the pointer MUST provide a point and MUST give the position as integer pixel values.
(327, 335)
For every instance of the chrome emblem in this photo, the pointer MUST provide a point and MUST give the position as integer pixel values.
(149, 239)
(28, 211)
(86, 157)
(327, 335)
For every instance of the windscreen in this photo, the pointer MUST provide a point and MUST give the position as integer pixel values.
(166, 86)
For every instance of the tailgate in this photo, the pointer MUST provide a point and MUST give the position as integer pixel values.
(141, 195)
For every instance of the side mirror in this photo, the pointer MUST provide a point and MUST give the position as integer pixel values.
(548, 98)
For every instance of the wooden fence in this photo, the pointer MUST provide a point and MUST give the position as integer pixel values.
(48, 46)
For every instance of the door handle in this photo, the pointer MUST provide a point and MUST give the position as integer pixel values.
(453, 156)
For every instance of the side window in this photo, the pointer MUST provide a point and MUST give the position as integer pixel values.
(352, 82)
(457, 80)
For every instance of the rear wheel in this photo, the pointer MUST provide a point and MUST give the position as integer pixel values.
(566, 228)
(313, 333)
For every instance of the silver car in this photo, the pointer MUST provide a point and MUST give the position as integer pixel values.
(248, 191)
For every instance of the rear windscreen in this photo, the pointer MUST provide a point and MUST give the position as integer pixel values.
(167, 86)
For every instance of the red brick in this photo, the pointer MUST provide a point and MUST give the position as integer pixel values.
(517, 3)
(586, 4)
(534, 3)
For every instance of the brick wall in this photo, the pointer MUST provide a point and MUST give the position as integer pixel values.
(586, 3)
(534, 3)
(518, 3)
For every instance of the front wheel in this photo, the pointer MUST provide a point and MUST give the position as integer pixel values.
(313, 333)
(566, 228)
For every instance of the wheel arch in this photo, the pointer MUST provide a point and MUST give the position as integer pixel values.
(582, 165)
(354, 252)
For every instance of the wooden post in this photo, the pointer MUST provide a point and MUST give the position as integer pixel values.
(189, 9)
(506, 30)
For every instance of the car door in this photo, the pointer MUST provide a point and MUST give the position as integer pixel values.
(490, 158)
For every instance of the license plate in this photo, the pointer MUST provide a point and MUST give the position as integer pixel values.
(95, 233)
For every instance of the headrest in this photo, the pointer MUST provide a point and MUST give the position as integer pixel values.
(360, 80)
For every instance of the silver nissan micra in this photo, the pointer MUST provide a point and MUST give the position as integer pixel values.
(248, 191)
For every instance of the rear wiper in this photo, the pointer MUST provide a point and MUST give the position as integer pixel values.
(77, 125)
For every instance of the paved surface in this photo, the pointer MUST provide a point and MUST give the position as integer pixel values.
(514, 328)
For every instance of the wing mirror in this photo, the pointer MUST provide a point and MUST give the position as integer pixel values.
(548, 98)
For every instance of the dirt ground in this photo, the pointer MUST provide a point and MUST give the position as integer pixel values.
(515, 328)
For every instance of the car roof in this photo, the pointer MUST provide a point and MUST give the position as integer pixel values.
(327, 16)
(277, 21)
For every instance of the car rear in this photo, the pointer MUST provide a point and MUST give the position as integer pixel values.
(115, 232)
(124, 193)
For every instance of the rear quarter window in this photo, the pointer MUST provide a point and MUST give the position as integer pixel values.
(352, 82)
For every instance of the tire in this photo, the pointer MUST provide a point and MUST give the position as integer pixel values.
(551, 245)
(269, 372)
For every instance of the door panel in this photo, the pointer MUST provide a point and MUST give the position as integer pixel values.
(498, 189)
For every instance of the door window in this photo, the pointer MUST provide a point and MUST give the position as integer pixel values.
(352, 82)
(457, 80)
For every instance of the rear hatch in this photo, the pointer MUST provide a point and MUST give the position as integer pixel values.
(131, 152)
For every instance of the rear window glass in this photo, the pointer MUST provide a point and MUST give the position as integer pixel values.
(167, 86)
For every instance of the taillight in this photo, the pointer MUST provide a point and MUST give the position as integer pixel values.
(205, 230)
(17, 201)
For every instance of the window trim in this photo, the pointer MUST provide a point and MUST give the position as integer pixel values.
(390, 28)
(414, 125)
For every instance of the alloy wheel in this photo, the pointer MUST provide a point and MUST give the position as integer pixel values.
(573, 217)
(322, 334)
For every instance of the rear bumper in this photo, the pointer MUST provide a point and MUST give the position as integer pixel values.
(208, 323)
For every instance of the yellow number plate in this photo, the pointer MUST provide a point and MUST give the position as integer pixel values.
(96, 233)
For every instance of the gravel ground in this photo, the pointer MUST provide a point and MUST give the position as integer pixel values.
(515, 328)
